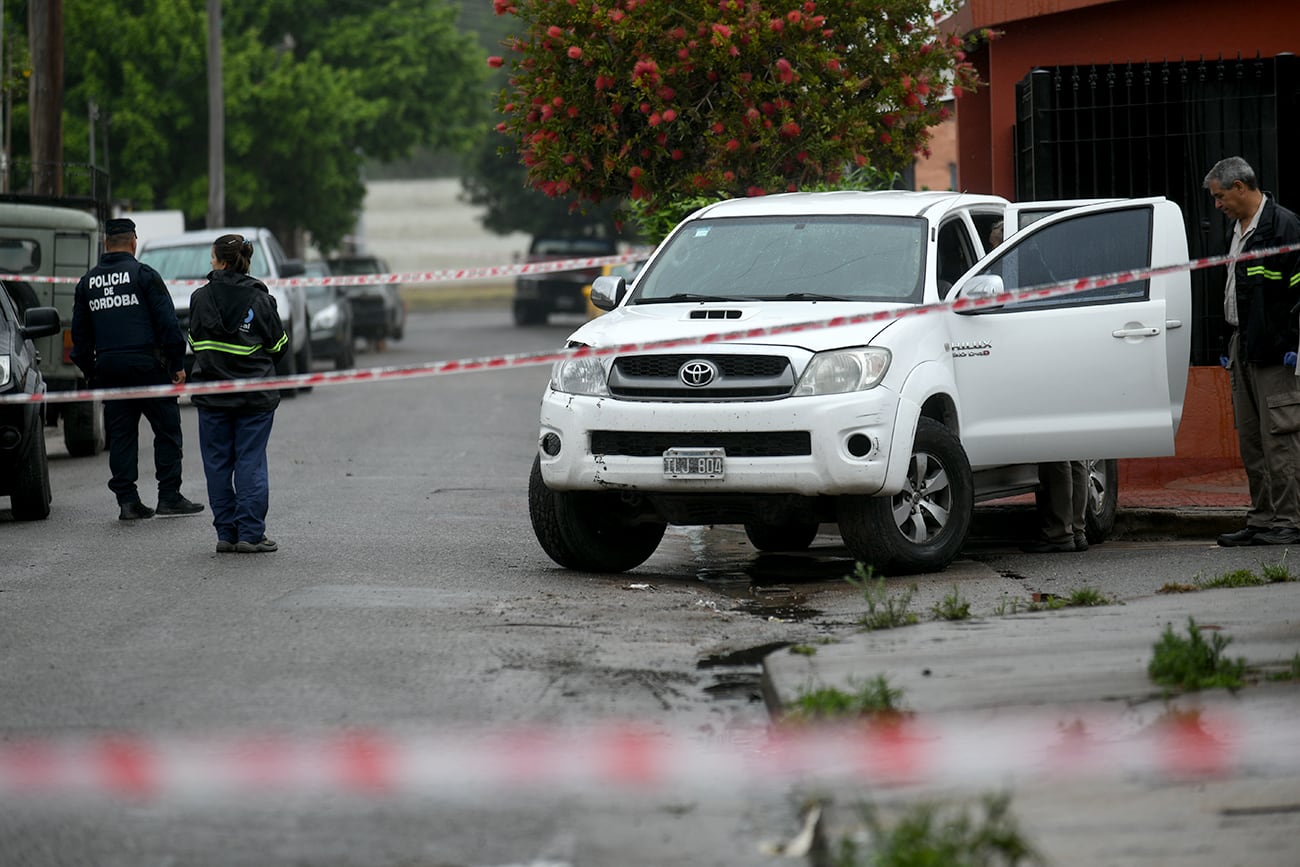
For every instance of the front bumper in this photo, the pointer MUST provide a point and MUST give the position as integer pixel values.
(849, 436)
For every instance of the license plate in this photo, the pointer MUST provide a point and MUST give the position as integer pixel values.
(694, 463)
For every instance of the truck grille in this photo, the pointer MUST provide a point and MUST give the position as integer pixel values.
(649, 444)
(739, 377)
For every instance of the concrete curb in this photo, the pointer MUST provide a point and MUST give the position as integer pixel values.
(1131, 523)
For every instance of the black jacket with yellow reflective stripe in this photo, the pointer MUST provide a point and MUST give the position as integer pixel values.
(236, 333)
(1268, 289)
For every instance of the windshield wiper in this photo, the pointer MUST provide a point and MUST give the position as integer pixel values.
(689, 296)
(816, 296)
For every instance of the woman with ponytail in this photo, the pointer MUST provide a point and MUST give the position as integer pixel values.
(236, 333)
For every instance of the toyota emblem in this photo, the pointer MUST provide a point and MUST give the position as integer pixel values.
(698, 373)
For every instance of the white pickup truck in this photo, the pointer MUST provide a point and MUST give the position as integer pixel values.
(891, 428)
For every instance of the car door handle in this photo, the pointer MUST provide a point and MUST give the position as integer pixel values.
(1135, 331)
(1171, 324)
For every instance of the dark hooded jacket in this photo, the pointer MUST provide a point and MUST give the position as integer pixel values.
(236, 333)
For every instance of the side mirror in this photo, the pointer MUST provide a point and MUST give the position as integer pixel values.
(982, 287)
(607, 292)
(41, 322)
(292, 268)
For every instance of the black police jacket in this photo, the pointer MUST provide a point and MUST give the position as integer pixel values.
(122, 307)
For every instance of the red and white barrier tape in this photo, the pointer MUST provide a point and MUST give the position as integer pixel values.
(944, 751)
(441, 276)
(441, 368)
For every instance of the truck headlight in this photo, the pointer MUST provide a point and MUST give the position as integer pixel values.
(843, 370)
(584, 375)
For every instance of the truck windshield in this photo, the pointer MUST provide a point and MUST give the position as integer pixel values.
(193, 261)
(797, 258)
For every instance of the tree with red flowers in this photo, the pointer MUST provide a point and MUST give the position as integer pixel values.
(655, 100)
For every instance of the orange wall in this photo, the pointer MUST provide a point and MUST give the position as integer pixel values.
(1119, 32)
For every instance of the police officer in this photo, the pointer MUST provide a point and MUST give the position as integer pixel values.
(125, 333)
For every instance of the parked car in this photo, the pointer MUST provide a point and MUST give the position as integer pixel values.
(188, 256)
(24, 473)
(537, 296)
(379, 312)
(890, 426)
(330, 313)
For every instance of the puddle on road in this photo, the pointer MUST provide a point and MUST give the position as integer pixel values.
(771, 586)
(738, 675)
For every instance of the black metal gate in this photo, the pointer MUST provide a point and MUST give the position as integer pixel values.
(1155, 129)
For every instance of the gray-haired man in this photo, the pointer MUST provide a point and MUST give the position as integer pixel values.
(1259, 305)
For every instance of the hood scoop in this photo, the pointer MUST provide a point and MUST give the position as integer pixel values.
(715, 314)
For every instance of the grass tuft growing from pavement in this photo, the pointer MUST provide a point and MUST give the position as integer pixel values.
(884, 609)
(1192, 663)
(953, 607)
(930, 835)
(1273, 573)
(1291, 672)
(875, 698)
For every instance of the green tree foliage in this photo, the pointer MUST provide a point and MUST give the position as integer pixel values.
(312, 89)
(498, 183)
(649, 100)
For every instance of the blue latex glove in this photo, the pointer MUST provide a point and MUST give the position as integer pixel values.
(1224, 362)
(1288, 360)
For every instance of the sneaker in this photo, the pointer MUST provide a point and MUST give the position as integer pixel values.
(134, 511)
(264, 546)
(178, 506)
(224, 547)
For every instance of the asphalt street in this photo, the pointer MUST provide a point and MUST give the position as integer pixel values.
(410, 596)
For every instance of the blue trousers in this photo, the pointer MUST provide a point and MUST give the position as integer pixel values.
(234, 462)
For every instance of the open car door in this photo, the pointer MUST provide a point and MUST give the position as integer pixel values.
(1099, 373)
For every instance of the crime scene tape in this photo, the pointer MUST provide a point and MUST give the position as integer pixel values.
(439, 276)
(957, 750)
(442, 368)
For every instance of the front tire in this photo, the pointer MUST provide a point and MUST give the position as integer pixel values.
(29, 497)
(923, 527)
(83, 428)
(528, 313)
(588, 531)
(287, 366)
(781, 537)
(303, 362)
(347, 356)
(1103, 500)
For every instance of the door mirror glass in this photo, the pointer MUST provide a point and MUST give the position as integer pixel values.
(607, 292)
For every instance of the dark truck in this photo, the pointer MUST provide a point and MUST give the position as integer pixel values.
(537, 296)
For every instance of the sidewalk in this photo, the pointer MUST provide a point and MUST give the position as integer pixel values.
(1051, 673)
(1199, 507)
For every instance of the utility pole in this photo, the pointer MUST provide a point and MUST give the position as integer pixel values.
(216, 122)
(45, 32)
(4, 110)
